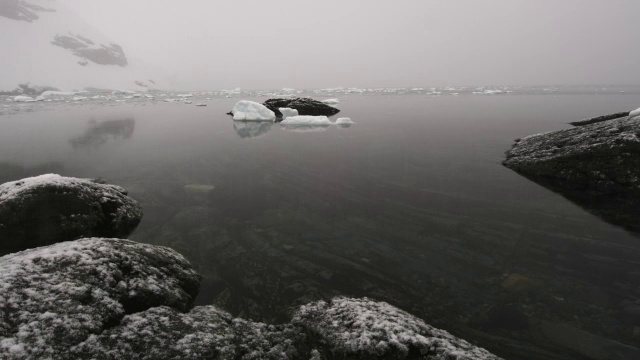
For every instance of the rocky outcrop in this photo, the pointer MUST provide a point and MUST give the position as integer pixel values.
(305, 106)
(21, 10)
(50, 208)
(86, 49)
(54, 298)
(602, 157)
(116, 299)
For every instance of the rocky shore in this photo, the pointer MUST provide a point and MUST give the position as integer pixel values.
(98, 298)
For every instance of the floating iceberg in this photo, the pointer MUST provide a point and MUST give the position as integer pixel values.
(307, 120)
(331, 101)
(288, 112)
(252, 111)
(344, 121)
(22, 98)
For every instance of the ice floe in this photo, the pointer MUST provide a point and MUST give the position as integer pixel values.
(246, 110)
(307, 120)
(331, 101)
(288, 112)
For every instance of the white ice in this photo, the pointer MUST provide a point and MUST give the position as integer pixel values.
(307, 120)
(331, 101)
(21, 98)
(246, 110)
(288, 112)
(344, 121)
(635, 114)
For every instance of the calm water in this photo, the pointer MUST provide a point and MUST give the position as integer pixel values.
(411, 205)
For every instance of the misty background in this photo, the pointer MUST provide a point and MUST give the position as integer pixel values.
(255, 43)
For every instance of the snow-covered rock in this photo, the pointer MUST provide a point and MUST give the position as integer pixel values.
(117, 299)
(306, 120)
(344, 121)
(246, 110)
(70, 53)
(635, 113)
(305, 106)
(367, 329)
(331, 101)
(50, 208)
(602, 156)
(54, 298)
(287, 112)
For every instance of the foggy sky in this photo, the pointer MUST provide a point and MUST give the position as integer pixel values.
(205, 44)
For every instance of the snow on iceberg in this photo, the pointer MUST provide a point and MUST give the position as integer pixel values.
(307, 120)
(288, 112)
(331, 101)
(246, 110)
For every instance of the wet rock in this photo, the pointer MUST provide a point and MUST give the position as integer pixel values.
(305, 106)
(50, 208)
(601, 157)
(56, 297)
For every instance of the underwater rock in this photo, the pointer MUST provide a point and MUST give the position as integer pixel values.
(305, 106)
(602, 157)
(54, 298)
(48, 209)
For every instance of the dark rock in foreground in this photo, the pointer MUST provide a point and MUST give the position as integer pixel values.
(48, 209)
(602, 157)
(305, 106)
(600, 119)
(116, 299)
(54, 298)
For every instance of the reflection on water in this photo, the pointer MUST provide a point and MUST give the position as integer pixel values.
(304, 128)
(414, 209)
(99, 133)
(620, 209)
(252, 129)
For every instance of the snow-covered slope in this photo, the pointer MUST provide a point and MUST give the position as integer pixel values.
(46, 44)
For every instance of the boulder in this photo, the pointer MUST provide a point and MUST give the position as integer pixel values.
(116, 299)
(50, 208)
(602, 157)
(54, 298)
(305, 106)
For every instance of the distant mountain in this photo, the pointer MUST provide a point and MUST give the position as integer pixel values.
(45, 44)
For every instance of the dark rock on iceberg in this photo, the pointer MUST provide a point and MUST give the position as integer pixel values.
(603, 157)
(48, 209)
(305, 106)
(54, 298)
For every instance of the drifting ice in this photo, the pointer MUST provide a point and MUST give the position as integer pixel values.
(307, 120)
(287, 112)
(344, 121)
(331, 101)
(252, 111)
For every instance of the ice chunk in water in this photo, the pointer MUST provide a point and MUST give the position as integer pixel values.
(288, 112)
(307, 120)
(246, 110)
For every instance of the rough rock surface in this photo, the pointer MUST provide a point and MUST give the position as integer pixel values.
(603, 156)
(305, 106)
(366, 329)
(53, 298)
(50, 208)
(116, 299)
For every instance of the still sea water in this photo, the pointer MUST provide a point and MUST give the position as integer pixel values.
(410, 206)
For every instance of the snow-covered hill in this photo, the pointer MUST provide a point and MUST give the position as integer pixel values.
(44, 43)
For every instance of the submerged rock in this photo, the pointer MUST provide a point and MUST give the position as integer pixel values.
(54, 298)
(116, 299)
(50, 208)
(305, 106)
(602, 156)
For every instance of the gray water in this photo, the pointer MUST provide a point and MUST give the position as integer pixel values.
(411, 206)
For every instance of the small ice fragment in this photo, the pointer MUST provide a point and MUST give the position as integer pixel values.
(331, 101)
(288, 112)
(21, 98)
(344, 121)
